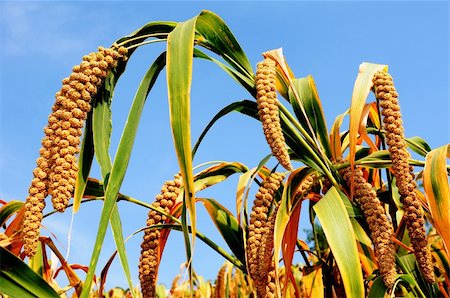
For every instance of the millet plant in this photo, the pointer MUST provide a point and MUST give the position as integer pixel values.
(384, 216)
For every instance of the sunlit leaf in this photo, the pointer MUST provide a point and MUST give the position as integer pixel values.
(9, 209)
(361, 89)
(418, 145)
(312, 282)
(18, 280)
(84, 164)
(215, 35)
(336, 225)
(121, 163)
(228, 227)
(335, 136)
(366, 253)
(309, 99)
(217, 174)
(436, 185)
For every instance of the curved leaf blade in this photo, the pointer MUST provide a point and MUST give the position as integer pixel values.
(7, 210)
(19, 280)
(180, 50)
(418, 145)
(336, 225)
(309, 99)
(217, 37)
(121, 163)
(437, 189)
(361, 89)
(84, 164)
(228, 227)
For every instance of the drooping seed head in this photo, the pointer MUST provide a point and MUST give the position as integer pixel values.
(385, 92)
(260, 235)
(149, 260)
(63, 131)
(267, 101)
(381, 229)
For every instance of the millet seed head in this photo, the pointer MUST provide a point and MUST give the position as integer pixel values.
(260, 236)
(381, 229)
(267, 102)
(62, 132)
(149, 259)
(385, 92)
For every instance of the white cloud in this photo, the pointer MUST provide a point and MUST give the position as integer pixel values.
(40, 28)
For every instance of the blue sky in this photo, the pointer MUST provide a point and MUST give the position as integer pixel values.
(41, 41)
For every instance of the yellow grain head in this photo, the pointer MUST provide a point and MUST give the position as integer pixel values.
(220, 285)
(73, 105)
(57, 168)
(267, 101)
(381, 229)
(392, 119)
(259, 231)
(149, 260)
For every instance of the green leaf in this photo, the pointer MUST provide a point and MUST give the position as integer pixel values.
(309, 99)
(366, 254)
(116, 227)
(293, 139)
(121, 163)
(228, 227)
(246, 82)
(159, 29)
(7, 210)
(378, 289)
(215, 35)
(180, 50)
(102, 125)
(377, 159)
(18, 280)
(217, 174)
(413, 276)
(102, 139)
(338, 230)
(418, 145)
(84, 164)
(437, 189)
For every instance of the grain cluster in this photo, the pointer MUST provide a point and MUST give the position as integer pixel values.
(385, 92)
(56, 170)
(150, 247)
(260, 234)
(266, 99)
(381, 229)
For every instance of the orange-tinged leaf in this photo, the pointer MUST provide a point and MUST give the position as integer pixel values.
(289, 244)
(435, 182)
(366, 254)
(227, 225)
(335, 136)
(284, 214)
(361, 89)
(367, 111)
(313, 283)
(241, 187)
